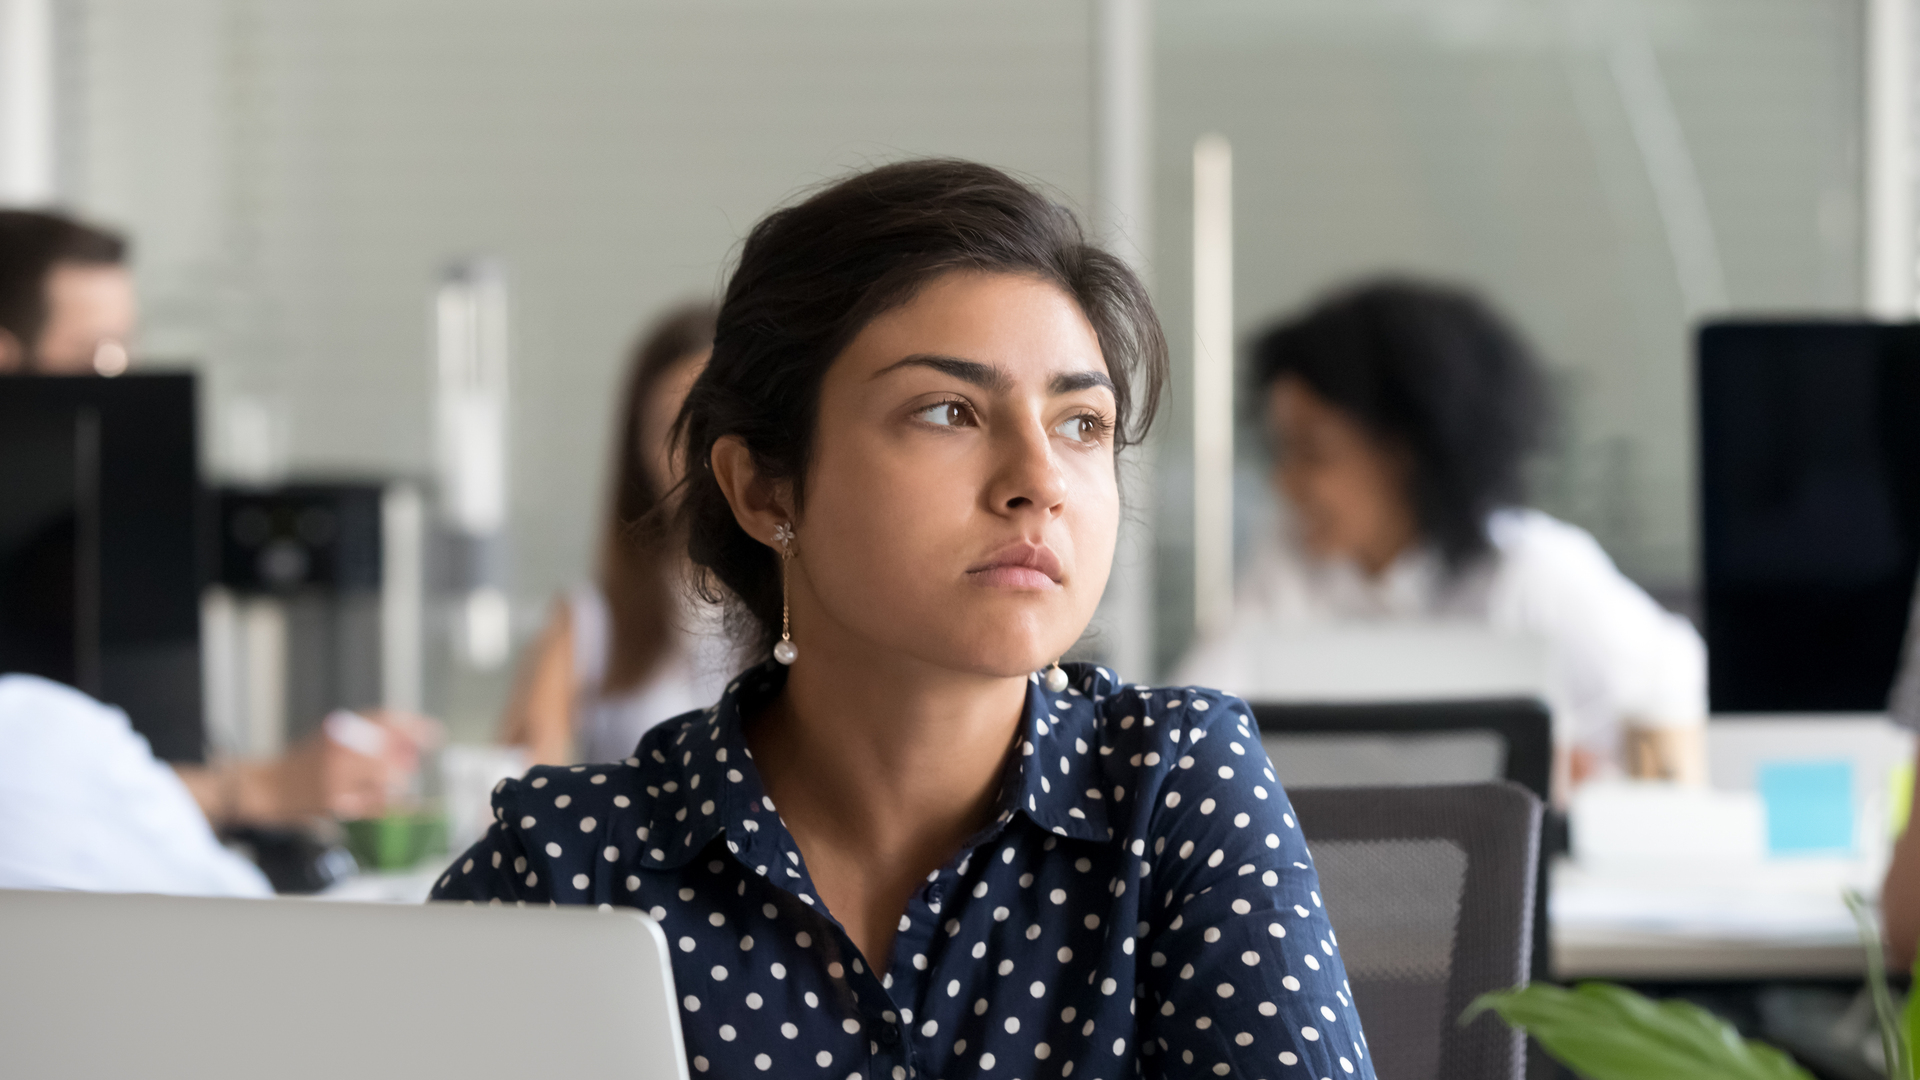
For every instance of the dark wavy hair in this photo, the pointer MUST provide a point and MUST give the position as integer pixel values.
(1432, 371)
(813, 274)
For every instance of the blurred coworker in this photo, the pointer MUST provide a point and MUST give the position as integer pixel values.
(85, 805)
(636, 646)
(66, 298)
(1400, 415)
(67, 308)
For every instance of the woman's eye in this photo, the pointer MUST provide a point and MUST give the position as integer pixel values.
(1082, 428)
(945, 414)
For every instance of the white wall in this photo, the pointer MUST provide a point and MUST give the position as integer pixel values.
(1488, 141)
(295, 173)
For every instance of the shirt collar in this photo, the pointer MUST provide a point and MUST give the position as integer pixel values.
(701, 779)
(703, 783)
(1056, 776)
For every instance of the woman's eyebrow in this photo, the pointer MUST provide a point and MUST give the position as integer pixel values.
(994, 378)
(985, 376)
(1069, 381)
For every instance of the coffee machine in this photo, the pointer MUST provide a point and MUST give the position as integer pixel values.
(317, 605)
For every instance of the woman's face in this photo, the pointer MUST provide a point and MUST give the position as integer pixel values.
(657, 413)
(961, 503)
(1347, 489)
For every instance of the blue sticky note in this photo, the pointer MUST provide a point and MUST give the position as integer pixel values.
(1809, 806)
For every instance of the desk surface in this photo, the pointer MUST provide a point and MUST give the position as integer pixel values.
(399, 887)
(1779, 919)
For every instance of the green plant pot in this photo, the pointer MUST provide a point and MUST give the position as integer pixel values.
(396, 841)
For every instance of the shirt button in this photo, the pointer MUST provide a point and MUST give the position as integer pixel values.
(889, 1035)
(933, 894)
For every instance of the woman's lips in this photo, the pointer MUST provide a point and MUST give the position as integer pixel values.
(1013, 577)
(1019, 566)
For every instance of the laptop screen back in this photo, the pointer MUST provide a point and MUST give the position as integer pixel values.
(117, 985)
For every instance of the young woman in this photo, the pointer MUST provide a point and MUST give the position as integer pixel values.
(913, 844)
(1401, 415)
(634, 647)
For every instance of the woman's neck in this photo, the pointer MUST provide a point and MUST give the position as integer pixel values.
(882, 767)
(888, 745)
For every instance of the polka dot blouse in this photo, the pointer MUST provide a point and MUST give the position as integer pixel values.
(1144, 904)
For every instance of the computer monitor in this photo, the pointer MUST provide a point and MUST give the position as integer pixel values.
(100, 557)
(1810, 510)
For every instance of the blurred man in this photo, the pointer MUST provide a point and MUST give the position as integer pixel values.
(66, 298)
(79, 790)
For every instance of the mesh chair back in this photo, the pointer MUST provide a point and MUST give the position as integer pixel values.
(1522, 727)
(1431, 890)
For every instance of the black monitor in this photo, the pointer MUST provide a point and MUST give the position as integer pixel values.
(100, 556)
(1810, 511)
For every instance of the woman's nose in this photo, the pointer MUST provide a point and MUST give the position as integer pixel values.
(1028, 474)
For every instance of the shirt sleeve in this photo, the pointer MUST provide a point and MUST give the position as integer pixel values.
(1243, 972)
(1618, 656)
(498, 866)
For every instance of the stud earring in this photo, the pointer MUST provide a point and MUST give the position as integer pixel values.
(785, 650)
(1056, 678)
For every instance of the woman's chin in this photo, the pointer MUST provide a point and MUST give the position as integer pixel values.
(1005, 658)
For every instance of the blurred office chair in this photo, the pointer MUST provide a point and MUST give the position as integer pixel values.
(1423, 742)
(1431, 890)
(1461, 741)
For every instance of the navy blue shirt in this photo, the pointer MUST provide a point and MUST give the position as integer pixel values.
(1144, 904)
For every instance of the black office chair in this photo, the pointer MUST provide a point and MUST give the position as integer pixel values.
(1431, 890)
(1522, 726)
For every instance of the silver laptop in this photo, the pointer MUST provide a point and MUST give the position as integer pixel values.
(95, 985)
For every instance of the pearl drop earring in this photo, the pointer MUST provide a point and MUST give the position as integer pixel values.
(785, 650)
(1056, 678)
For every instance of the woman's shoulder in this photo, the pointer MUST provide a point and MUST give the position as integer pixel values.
(633, 784)
(1555, 578)
(1184, 706)
(1156, 730)
(1185, 761)
(1119, 706)
(1534, 539)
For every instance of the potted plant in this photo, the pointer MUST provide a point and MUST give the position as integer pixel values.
(1607, 1032)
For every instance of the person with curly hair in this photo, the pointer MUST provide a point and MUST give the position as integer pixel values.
(1400, 414)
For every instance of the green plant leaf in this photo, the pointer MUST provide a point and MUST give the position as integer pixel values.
(1607, 1032)
(1913, 1013)
(1894, 1042)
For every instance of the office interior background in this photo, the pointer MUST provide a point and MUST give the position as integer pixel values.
(296, 176)
(319, 192)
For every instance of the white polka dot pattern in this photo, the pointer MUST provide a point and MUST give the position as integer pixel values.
(1144, 905)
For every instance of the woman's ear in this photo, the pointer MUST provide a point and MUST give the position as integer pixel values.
(759, 504)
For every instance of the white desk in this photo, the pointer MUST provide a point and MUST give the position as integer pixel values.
(1787, 922)
(1670, 916)
(1781, 919)
(403, 887)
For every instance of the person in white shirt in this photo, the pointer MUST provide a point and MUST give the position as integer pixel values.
(67, 307)
(1400, 414)
(638, 644)
(84, 805)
